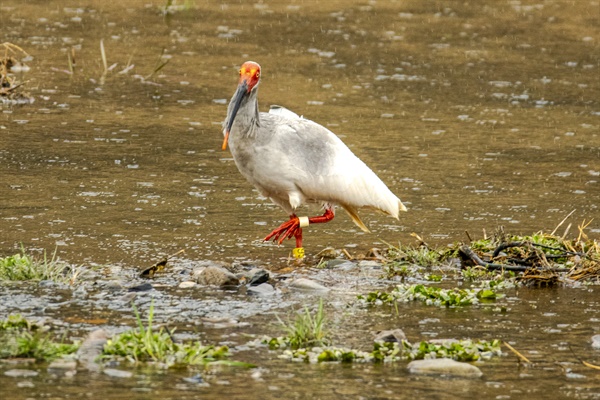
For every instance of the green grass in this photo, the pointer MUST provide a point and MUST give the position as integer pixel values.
(21, 338)
(24, 267)
(432, 295)
(148, 344)
(306, 330)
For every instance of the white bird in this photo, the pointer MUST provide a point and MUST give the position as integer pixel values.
(293, 160)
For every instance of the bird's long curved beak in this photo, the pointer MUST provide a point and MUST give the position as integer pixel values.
(235, 103)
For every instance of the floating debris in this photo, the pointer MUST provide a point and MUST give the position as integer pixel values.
(10, 89)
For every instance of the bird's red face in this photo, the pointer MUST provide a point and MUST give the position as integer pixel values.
(250, 74)
(249, 78)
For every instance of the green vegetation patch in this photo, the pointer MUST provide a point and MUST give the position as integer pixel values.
(21, 338)
(306, 330)
(386, 352)
(24, 267)
(147, 344)
(431, 295)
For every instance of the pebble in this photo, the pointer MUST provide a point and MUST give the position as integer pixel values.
(215, 276)
(307, 284)
(187, 284)
(20, 373)
(596, 341)
(264, 289)
(444, 366)
(395, 335)
(117, 373)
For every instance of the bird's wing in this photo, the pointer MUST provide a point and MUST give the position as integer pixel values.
(324, 169)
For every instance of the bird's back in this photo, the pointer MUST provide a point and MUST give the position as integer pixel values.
(293, 160)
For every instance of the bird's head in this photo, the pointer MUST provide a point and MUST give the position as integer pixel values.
(249, 79)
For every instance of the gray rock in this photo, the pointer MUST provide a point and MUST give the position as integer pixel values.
(307, 284)
(144, 287)
(63, 367)
(264, 289)
(117, 373)
(258, 276)
(187, 285)
(215, 276)
(369, 264)
(336, 262)
(20, 373)
(91, 348)
(444, 366)
(395, 335)
(596, 341)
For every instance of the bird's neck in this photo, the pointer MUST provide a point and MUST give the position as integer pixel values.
(247, 119)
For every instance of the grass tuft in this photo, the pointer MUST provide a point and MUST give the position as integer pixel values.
(24, 267)
(148, 344)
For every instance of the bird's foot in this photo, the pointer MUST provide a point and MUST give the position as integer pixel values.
(287, 230)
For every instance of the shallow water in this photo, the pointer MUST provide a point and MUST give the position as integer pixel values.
(476, 114)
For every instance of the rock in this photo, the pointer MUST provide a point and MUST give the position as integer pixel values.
(258, 276)
(91, 348)
(328, 252)
(20, 373)
(215, 276)
(127, 297)
(144, 287)
(264, 289)
(117, 373)
(63, 367)
(187, 285)
(113, 285)
(307, 284)
(596, 341)
(444, 366)
(342, 265)
(395, 335)
(369, 264)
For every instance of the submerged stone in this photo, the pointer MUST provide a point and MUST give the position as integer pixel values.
(307, 284)
(596, 341)
(444, 366)
(117, 373)
(264, 289)
(390, 336)
(144, 287)
(20, 373)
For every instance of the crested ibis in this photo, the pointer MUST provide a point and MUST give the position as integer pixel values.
(293, 160)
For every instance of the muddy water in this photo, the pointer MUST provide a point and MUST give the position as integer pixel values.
(477, 114)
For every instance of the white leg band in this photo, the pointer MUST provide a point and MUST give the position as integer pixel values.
(303, 222)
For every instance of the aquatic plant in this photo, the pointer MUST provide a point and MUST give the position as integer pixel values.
(386, 352)
(24, 267)
(147, 344)
(305, 330)
(430, 295)
(21, 338)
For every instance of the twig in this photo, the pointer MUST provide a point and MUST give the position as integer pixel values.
(466, 250)
(521, 356)
(469, 236)
(561, 222)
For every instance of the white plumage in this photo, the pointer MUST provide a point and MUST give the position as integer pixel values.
(293, 160)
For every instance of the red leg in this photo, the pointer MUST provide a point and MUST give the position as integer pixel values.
(292, 228)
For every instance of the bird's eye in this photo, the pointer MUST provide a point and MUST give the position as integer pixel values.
(257, 74)
(240, 71)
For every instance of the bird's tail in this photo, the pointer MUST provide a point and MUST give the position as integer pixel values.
(355, 218)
